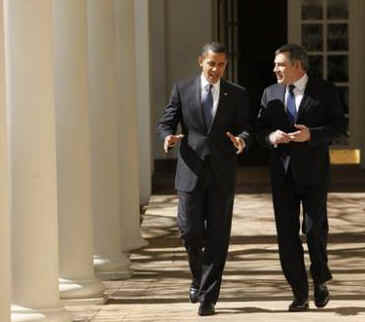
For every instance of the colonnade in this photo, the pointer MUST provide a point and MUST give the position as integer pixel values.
(70, 152)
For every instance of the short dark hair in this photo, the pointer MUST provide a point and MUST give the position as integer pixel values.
(295, 52)
(215, 47)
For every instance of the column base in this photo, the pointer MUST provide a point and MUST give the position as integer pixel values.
(87, 291)
(135, 244)
(112, 268)
(23, 314)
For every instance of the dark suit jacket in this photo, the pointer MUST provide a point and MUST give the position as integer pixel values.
(232, 115)
(321, 111)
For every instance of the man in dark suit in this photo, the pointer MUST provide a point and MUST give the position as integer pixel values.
(298, 119)
(214, 119)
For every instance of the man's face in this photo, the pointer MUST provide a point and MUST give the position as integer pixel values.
(213, 66)
(286, 71)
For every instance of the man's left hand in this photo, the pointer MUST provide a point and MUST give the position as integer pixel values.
(302, 135)
(237, 142)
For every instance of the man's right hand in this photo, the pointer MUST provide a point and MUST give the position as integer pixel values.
(170, 141)
(279, 137)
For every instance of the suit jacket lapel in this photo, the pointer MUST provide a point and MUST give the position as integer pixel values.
(223, 95)
(306, 100)
(280, 94)
(196, 106)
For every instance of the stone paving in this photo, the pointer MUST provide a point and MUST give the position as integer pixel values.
(253, 286)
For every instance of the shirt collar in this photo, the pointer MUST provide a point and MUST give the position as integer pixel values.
(301, 83)
(204, 83)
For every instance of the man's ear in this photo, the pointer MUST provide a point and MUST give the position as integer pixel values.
(200, 60)
(298, 64)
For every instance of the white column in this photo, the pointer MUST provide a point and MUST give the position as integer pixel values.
(126, 52)
(77, 277)
(4, 187)
(158, 34)
(29, 63)
(143, 97)
(110, 262)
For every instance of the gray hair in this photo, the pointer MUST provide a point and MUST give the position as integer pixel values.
(295, 52)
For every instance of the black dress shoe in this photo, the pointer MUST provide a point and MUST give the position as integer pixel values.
(321, 295)
(299, 305)
(193, 294)
(206, 309)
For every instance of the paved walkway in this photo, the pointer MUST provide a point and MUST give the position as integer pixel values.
(253, 286)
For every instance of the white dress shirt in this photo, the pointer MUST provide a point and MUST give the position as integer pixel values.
(298, 91)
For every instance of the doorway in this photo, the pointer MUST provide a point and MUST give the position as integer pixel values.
(252, 31)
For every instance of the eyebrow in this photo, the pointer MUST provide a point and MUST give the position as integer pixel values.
(279, 63)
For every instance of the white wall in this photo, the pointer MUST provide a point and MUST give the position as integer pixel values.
(178, 31)
(189, 26)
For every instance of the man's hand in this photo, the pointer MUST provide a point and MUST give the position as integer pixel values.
(237, 142)
(170, 141)
(302, 135)
(279, 137)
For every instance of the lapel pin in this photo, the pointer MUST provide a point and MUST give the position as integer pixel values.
(225, 93)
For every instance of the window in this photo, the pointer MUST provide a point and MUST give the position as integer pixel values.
(324, 32)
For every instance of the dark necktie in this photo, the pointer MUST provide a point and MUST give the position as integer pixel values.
(207, 104)
(290, 104)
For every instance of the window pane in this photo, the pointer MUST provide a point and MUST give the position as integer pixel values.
(337, 38)
(312, 37)
(315, 66)
(312, 10)
(337, 9)
(338, 68)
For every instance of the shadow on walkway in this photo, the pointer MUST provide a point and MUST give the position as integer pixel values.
(252, 273)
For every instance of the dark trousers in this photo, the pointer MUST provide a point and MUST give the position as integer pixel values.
(204, 220)
(287, 198)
